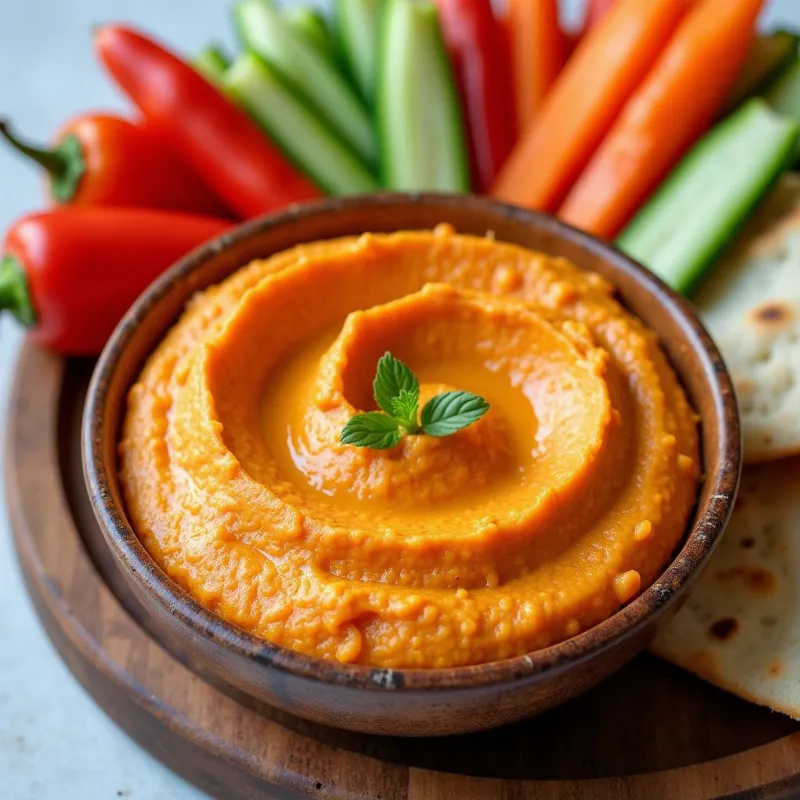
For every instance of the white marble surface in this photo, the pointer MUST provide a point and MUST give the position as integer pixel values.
(55, 744)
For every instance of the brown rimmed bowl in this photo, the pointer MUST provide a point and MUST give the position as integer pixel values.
(409, 702)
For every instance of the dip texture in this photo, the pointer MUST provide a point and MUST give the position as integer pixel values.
(538, 521)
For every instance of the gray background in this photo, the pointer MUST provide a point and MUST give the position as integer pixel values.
(54, 743)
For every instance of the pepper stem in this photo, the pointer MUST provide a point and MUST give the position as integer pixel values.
(14, 293)
(64, 163)
(51, 159)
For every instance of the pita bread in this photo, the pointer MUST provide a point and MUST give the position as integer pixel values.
(740, 627)
(751, 306)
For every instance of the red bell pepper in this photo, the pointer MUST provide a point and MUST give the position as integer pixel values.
(70, 274)
(573, 39)
(596, 10)
(475, 41)
(100, 159)
(219, 140)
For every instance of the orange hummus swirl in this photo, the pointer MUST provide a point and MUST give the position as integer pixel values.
(533, 524)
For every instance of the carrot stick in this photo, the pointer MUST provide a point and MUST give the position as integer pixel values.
(538, 52)
(677, 101)
(589, 93)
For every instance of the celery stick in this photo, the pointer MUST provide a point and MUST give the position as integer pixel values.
(295, 128)
(211, 62)
(311, 25)
(357, 24)
(263, 30)
(420, 121)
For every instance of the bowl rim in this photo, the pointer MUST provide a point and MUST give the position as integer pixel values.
(703, 531)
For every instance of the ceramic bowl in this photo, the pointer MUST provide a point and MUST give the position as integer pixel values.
(391, 701)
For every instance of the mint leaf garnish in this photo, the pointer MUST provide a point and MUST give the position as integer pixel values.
(396, 390)
(374, 429)
(405, 409)
(451, 411)
(391, 378)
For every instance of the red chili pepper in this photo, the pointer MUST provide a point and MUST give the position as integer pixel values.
(475, 41)
(596, 11)
(70, 274)
(573, 39)
(100, 159)
(222, 144)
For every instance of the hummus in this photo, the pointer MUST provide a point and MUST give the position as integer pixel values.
(538, 521)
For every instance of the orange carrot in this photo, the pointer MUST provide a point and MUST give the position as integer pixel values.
(591, 90)
(597, 9)
(538, 51)
(677, 101)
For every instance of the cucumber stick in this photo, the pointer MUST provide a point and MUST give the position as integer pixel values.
(784, 94)
(311, 25)
(211, 62)
(770, 54)
(295, 128)
(686, 224)
(263, 30)
(357, 24)
(420, 124)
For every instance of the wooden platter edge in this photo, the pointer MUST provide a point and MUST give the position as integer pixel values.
(90, 628)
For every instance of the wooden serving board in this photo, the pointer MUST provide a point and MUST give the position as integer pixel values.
(650, 732)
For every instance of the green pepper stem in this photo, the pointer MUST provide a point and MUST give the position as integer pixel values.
(53, 160)
(14, 293)
(64, 163)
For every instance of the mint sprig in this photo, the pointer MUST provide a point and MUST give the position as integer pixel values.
(451, 411)
(391, 378)
(405, 408)
(375, 429)
(396, 390)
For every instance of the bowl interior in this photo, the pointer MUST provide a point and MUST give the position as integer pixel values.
(693, 355)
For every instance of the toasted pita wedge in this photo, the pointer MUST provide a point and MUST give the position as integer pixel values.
(740, 628)
(751, 305)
